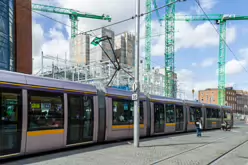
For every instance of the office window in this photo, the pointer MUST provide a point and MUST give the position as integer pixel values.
(45, 111)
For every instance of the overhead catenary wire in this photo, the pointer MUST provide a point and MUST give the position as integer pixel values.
(85, 32)
(198, 3)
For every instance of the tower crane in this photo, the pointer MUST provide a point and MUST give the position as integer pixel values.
(169, 52)
(73, 15)
(219, 19)
(148, 34)
(170, 49)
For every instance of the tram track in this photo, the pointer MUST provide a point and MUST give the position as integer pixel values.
(216, 160)
(186, 151)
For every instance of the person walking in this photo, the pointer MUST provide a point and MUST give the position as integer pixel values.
(198, 125)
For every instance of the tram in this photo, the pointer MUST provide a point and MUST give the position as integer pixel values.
(41, 114)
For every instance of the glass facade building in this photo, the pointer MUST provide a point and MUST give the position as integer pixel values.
(7, 35)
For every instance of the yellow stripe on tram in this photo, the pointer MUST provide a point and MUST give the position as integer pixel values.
(170, 124)
(126, 126)
(45, 132)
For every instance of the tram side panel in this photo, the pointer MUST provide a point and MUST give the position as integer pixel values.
(102, 116)
(143, 119)
(117, 125)
(119, 119)
(82, 119)
(13, 117)
(42, 134)
(193, 113)
(148, 126)
(213, 117)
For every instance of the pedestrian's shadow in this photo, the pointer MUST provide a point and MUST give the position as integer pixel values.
(204, 136)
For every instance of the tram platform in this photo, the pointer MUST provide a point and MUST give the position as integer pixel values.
(214, 147)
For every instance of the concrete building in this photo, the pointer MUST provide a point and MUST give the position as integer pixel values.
(125, 48)
(242, 102)
(80, 49)
(210, 96)
(16, 36)
(96, 52)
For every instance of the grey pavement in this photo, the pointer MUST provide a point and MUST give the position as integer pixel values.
(180, 149)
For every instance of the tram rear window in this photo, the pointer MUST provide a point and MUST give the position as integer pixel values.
(45, 111)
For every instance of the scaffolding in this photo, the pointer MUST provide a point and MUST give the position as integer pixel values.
(100, 73)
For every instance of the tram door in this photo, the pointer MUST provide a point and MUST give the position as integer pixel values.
(10, 121)
(179, 118)
(159, 118)
(80, 119)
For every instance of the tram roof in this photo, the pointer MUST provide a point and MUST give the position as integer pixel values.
(14, 77)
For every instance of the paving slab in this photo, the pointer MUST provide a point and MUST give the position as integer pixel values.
(173, 149)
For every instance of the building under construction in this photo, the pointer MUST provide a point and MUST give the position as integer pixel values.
(90, 64)
(125, 48)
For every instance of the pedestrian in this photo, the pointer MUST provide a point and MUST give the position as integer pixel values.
(197, 127)
(200, 127)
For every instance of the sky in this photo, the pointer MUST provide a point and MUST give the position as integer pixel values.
(196, 43)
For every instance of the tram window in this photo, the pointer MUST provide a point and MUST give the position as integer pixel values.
(195, 112)
(215, 113)
(170, 113)
(159, 112)
(9, 106)
(123, 111)
(10, 120)
(225, 114)
(209, 112)
(88, 107)
(141, 111)
(45, 111)
(218, 113)
(179, 110)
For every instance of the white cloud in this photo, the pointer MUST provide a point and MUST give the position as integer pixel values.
(208, 62)
(235, 67)
(38, 38)
(188, 81)
(188, 36)
(206, 5)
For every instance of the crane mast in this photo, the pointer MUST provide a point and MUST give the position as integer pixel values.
(148, 34)
(73, 15)
(169, 49)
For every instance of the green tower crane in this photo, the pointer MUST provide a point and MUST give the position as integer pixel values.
(220, 19)
(169, 49)
(73, 14)
(148, 34)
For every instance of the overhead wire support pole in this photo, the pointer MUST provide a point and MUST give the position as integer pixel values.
(136, 100)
